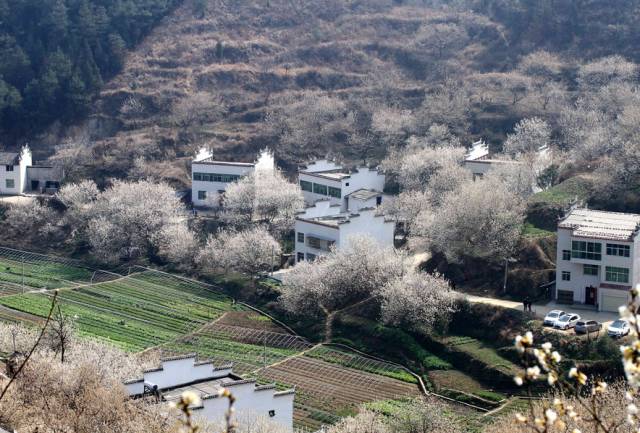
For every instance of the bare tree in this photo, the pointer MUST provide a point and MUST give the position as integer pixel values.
(60, 332)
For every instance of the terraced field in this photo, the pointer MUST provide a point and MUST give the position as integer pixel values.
(135, 312)
(152, 310)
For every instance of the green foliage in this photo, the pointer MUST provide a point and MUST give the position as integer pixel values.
(133, 313)
(57, 53)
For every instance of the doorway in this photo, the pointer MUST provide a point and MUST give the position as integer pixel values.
(591, 297)
(35, 184)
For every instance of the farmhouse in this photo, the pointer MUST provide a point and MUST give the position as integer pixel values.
(18, 175)
(598, 258)
(351, 189)
(185, 373)
(479, 161)
(13, 171)
(210, 177)
(324, 225)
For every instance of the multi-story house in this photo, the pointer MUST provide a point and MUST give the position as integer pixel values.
(325, 225)
(351, 189)
(13, 171)
(210, 178)
(598, 258)
(185, 373)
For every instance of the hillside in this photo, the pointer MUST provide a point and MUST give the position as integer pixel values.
(213, 80)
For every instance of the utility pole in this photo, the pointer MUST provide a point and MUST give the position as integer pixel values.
(506, 269)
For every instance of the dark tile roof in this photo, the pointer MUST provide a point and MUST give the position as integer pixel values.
(9, 158)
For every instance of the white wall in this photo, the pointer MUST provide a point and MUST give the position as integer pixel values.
(18, 175)
(310, 197)
(250, 403)
(212, 188)
(363, 178)
(368, 222)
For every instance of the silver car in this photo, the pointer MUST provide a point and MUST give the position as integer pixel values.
(552, 316)
(566, 321)
(619, 328)
(587, 326)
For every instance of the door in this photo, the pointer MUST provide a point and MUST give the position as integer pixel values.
(591, 297)
(35, 184)
(612, 303)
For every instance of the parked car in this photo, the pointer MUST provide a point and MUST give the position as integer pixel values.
(566, 321)
(619, 328)
(587, 326)
(552, 316)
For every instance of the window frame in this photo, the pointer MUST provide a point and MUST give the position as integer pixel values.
(13, 183)
(566, 255)
(616, 249)
(202, 195)
(565, 276)
(591, 268)
(303, 185)
(300, 237)
(612, 274)
(591, 251)
(317, 187)
(9, 168)
(334, 192)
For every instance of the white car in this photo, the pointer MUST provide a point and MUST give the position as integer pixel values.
(619, 328)
(566, 321)
(552, 316)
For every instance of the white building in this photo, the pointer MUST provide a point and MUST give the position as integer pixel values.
(325, 179)
(324, 225)
(13, 171)
(210, 178)
(184, 373)
(598, 258)
(479, 160)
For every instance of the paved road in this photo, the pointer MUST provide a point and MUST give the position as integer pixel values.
(542, 309)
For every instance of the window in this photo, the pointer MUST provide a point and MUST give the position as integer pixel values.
(313, 242)
(215, 177)
(311, 257)
(300, 237)
(566, 255)
(300, 257)
(566, 276)
(9, 167)
(306, 186)
(335, 192)
(617, 275)
(378, 201)
(590, 269)
(319, 189)
(618, 250)
(10, 183)
(477, 176)
(202, 195)
(586, 250)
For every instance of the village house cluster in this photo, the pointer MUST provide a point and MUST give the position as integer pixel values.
(598, 252)
(340, 202)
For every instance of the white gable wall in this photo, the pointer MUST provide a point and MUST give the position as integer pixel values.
(370, 224)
